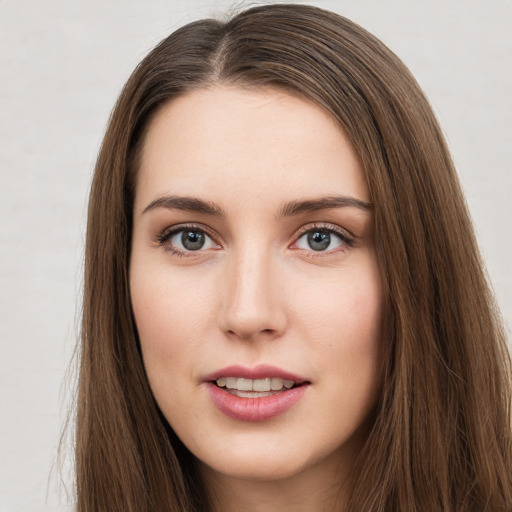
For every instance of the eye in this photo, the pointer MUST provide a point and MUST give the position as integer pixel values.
(319, 240)
(186, 239)
(322, 239)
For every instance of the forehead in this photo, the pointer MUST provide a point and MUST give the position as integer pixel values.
(229, 141)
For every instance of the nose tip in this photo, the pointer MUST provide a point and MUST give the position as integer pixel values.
(253, 305)
(247, 327)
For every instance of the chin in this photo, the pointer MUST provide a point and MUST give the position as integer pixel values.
(260, 460)
(259, 468)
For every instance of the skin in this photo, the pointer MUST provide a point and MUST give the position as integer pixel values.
(257, 293)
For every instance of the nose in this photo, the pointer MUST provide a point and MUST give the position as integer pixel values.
(252, 299)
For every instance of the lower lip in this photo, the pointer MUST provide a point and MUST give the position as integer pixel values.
(255, 409)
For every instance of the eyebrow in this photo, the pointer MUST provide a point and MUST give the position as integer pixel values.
(289, 209)
(188, 204)
(324, 203)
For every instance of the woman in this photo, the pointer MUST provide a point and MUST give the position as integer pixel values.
(284, 305)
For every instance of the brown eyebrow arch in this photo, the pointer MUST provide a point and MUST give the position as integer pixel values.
(323, 203)
(189, 204)
(193, 204)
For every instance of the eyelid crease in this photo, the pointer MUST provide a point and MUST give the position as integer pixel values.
(170, 231)
(343, 233)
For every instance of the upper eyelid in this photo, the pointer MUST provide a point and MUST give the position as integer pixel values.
(303, 229)
(327, 226)
(172, 230)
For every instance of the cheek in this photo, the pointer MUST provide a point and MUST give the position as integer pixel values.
(343, 322)
(169, 333)
(348, 307)
(171, 318)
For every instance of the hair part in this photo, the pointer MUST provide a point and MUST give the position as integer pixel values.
(442, 434)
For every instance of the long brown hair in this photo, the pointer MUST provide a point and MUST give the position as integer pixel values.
(441, 440)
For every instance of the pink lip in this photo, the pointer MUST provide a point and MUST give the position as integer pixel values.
(258, 372)
(254, 409)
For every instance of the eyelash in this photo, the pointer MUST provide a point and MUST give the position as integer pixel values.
(347, 240)
(162, 239)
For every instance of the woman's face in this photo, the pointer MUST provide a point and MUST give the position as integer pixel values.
(255, 284)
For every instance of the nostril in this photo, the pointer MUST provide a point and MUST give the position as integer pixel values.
(251, 332)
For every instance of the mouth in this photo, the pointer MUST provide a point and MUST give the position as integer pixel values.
(255, 394)
(254, 388)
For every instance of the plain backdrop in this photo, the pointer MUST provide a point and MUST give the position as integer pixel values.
(62, 64)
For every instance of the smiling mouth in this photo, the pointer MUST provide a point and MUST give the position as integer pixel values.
(255, 394)
(254, 388)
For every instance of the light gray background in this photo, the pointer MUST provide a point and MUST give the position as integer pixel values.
(62, 64)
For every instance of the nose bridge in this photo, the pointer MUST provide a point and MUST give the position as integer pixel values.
(252, 303)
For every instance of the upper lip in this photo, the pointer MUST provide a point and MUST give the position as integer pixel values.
(261, 371)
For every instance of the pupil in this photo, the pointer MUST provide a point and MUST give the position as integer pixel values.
(319, 240)
(192, 240)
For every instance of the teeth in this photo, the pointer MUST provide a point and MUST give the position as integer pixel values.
(276, 384)
(230, 382)
(244, 384)
(260, 385)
